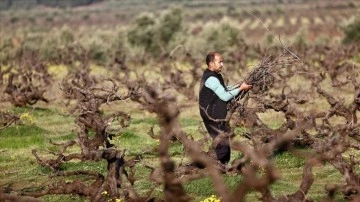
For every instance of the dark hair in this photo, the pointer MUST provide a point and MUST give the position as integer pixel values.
(210, 57)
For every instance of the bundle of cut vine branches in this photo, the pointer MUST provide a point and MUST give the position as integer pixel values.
(263, 73)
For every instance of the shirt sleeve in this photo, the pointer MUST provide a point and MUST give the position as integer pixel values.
(214, 84)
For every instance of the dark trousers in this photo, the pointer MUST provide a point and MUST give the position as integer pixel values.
(222, 150)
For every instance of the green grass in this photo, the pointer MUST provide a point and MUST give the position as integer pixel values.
(176, 149)
(99, 166)
(150, 121)
(201, 188)
(17, 141)
(188, 122)
(22, 136)
(35, 111)
(62, 197)
(65, 137)
(143, 185)
(288, 160)
(135, 143)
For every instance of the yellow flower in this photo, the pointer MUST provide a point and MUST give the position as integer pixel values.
(104, 193)
(58, 70)
(68, 181)
(116, 200)
(212, 198)
(27, 119)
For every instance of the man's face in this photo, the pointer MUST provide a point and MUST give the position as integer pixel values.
(217, 63)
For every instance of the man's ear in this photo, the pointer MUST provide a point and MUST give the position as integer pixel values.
(211, 64)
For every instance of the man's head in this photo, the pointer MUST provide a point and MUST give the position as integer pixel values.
(214, 62)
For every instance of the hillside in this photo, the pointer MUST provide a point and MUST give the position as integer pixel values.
(257, 20)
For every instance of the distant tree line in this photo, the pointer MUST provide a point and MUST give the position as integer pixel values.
(8, 4)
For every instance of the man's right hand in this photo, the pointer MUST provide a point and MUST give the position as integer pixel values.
(245, 86)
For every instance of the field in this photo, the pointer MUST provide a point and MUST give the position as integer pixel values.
(100, 102)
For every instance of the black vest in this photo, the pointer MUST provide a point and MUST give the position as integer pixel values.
(209, 101)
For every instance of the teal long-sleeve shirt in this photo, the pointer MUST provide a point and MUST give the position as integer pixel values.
(225, 94)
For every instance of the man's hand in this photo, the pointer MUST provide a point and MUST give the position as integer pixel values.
(245, 86)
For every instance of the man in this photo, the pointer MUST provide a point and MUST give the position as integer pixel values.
(213, 99)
